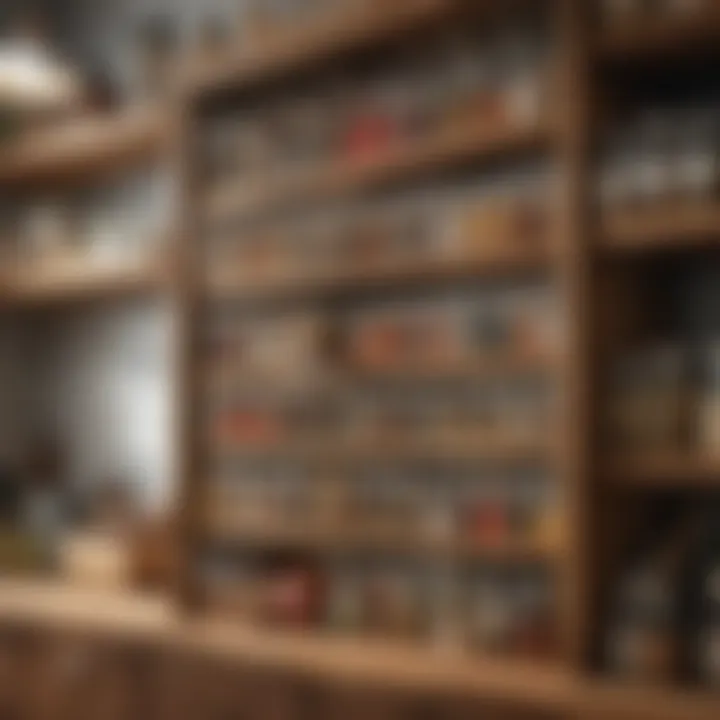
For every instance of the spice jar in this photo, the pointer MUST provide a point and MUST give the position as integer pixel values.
(294, 594)
(489, 332)
(487, 517)
(346, 600)
(491, 616)
(446, 621)
(394, 603)
(439, 508)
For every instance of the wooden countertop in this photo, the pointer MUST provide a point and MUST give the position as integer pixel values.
(533, 686)
(341, 660)
(391, 665)
(63, 606)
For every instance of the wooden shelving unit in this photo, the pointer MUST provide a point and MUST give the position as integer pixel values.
(477, 144)
(640, 481)
(580, 260)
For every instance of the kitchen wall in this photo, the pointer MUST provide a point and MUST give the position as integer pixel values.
(101, 379)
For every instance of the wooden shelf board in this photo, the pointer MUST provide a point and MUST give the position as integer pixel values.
(76, 284)
(512, 452)
(663, 37)
(359, 281)
(408, 161)
(668, 226)
(391, 543)
(83, 149)
(334, 35)
(667, 470)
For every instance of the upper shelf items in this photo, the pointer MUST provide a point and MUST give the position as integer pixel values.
(82, 149)
(407, 161)
(336, 33)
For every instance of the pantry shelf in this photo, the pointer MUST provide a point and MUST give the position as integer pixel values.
(334, 35)
(405, 162)
(661, 37)
(376, 225)
(668, 226)
(354, 281)
(83, 149)
(343, 541)
(673, 471)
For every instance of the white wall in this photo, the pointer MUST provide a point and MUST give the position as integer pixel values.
(102, 379)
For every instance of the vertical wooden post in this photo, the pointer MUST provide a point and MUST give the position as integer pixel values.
(576, 284)
(187, 298)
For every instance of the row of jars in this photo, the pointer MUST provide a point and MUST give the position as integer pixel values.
(482, 509)
(518, 414)
(454, 222)
(465, 80)
(442, 333)
(503, 611)
(661, 154)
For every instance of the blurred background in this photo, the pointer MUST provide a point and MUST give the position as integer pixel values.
(371, 336)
